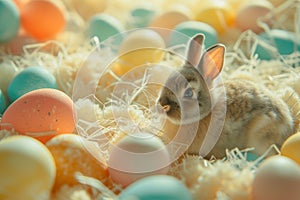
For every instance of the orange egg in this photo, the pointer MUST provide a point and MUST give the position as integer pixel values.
(70, 157)
(41, 113)
(43, 19)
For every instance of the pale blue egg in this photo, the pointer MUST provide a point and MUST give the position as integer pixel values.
(104, 26)
(9, 20)
(159, 187)
(3, 104)
(284, 41)
(191, 28)
(141, 17)
(31, 78)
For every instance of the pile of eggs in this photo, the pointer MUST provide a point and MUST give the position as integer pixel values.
(43, 152)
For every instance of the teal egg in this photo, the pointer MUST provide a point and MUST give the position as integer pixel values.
(284, 41)
(31, 78)
(191, 28)
(141, 17)
(3, 104)
(104, 26)
(9, 20)
(160, 187)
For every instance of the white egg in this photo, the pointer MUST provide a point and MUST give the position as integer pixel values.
(137, 156)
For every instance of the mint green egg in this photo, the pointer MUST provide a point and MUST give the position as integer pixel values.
(9, 20)
(141, 17)
(283, 41)
(29, 79)
(104, 26)
(191, 28)
(160, 187)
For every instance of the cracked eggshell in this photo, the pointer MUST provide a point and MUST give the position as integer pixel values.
(41, 113)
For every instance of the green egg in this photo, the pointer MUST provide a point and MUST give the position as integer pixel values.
(160, 187)
(104, 26)
(191, 28)
(9, 20)
(31, 78)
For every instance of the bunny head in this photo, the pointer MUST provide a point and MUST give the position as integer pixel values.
(185, 97)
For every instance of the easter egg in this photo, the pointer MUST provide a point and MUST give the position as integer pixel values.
(191, 28)
(88, 8)
(41, 113)
(43, 19)
(70, 157)
(16, 45)
(136, 156)
(284, 42)
(141, 16)
(218, 14)
(160, 187)
(27, 169)
(168, 20)
(7, 72)
(104, 26)
(277, 178)
(139, 47)
(291, 147)
(31, 78)
(255, 9)
(9, 20)
(2, 102)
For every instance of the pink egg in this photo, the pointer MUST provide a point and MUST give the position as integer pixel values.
(249, 13)
(278, 178)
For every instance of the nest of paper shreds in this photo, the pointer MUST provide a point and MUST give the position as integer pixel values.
(202, 177)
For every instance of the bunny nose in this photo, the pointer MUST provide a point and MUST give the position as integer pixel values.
(165, 103)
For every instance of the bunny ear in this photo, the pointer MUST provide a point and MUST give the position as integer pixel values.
(212, 61)
(195, 50)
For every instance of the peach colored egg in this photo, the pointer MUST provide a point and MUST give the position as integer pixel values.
(43, 19)
(248, 14)
(168, 20)
(277, 178)
(41, 114)
(70, 157)
(27, 169)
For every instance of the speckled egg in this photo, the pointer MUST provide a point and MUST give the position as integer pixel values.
(41, 113)
(70, 157)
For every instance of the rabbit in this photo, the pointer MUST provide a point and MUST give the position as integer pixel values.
(254, 116)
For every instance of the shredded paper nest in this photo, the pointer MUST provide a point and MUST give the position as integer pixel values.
(229, 178)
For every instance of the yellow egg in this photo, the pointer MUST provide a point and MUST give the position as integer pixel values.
(291, 147)
(70, 157)
(218, 14)
(88, 8)
(138, 48)
(278, 178)
(27, 169)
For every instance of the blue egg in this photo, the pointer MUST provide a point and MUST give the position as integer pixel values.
(9, 20)
(141, 17)
(104, 26)
(3, 104)
(285, 43)
(160, 187)
(191, 28)
(29, 79)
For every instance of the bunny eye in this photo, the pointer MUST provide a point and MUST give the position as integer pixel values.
(189, 93)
